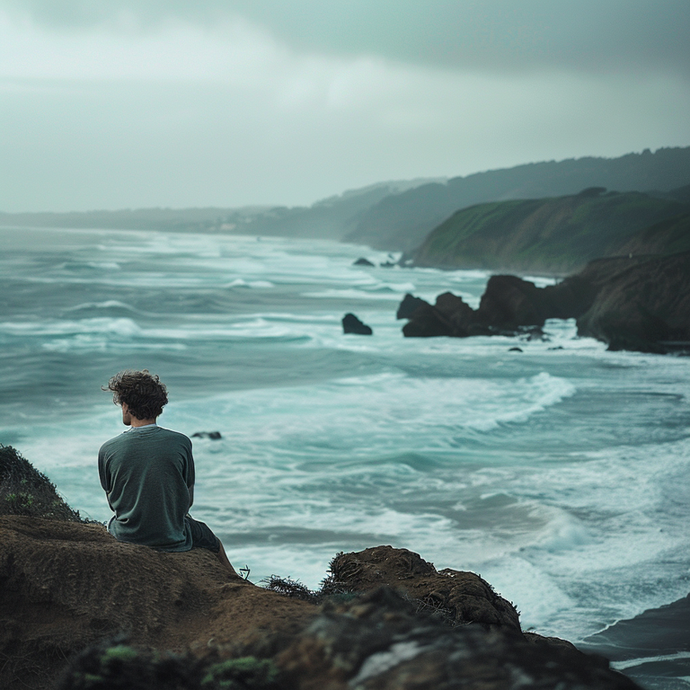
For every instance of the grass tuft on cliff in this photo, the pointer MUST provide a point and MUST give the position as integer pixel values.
(26, 491)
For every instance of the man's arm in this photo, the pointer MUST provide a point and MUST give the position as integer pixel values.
(102, 471)
(104, 476)
(190, 479)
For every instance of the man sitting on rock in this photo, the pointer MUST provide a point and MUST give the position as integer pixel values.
(147, 473)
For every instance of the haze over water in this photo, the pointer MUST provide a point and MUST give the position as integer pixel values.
(558, 473)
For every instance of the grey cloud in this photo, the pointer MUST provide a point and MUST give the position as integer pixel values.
(592, 35)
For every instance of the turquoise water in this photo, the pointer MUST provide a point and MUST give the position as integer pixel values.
(559, 473)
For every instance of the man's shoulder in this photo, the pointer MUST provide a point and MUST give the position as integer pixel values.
(174, 436)
(157, 435)
(113, 442)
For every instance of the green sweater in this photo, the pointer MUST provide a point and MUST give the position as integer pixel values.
(148, 477)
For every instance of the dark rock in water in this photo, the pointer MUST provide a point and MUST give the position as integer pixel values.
(362, 262)
(388, 264)
(450, 316)
(213, 435)
(509, 302)
(665, 630)
(425, 322)
(515, 349)
(458, 314)
(409, 305)
(630, 303)
(351, 324)
(508, 306)
(641, 641)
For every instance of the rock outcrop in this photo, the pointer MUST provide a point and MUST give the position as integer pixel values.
(351, 324)
(645, 307)
(67, 585)
(461, 597)
(26, 491)
(655, 645)
(212, 435)
(631, 303)
(381, 642)
(80, 610)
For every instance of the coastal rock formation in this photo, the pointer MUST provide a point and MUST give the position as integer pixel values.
(80, 610)
(654, 645)
(66, 585)
(449, 316)
(645, 307)
(409, 305)
(508, 304)
(631, 303)
(461, 597)
(381, 642)
(212, 435)
(351, 324)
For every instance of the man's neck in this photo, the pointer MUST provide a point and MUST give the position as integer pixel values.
(136, 423)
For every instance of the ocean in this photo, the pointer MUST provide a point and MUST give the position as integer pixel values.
(558, 473)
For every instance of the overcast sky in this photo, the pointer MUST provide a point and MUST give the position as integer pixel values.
(126, 104)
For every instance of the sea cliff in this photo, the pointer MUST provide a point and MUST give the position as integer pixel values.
(79, 609)
(556, 235)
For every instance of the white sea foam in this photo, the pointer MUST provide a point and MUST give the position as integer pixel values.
(107, 304)
(640, 661)
(535, 594)
(352, 294)
(541, 281)
(117, 326)
(257, 284)
(107, 265)
(558, 474)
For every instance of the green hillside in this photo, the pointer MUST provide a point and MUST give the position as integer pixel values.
(400, 222)
(556, 235)
(670, 236)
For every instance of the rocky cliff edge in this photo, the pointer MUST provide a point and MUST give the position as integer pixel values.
(385, 618)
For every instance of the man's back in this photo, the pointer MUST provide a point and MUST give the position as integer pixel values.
(147, 473)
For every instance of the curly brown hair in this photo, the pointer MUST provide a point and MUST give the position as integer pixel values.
(143, 393)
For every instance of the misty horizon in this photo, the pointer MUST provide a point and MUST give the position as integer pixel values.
(408, 183)
(169, 105)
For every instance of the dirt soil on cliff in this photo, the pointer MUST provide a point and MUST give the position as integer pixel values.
(66, 585)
